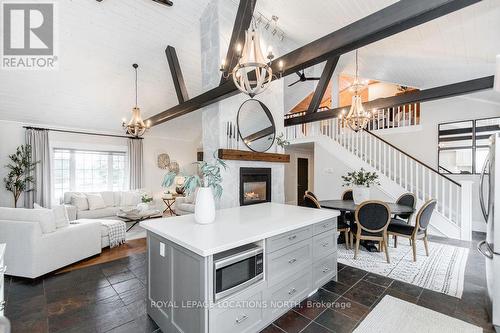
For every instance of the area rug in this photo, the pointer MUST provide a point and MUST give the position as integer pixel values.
(393, 315)
(442, 271)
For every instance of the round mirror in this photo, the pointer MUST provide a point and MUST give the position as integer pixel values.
(256, 125)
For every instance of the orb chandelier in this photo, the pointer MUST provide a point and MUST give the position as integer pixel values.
(136, 126)
(357, 118)
(253, 73)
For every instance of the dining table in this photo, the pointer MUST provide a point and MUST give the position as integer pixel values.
(345, 206)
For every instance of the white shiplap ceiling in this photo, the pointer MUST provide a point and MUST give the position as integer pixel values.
(99, 41)
(456, 47)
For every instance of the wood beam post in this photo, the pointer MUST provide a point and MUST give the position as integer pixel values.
(330, 66)
(400, 16)
(450, 90)
(241, 24)
(175, 69)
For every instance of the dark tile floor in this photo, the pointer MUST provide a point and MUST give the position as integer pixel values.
(111, 298)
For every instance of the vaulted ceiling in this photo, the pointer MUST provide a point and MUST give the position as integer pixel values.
(456, 47)
(99, 41)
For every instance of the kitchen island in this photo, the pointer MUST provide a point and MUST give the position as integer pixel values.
(195, 284)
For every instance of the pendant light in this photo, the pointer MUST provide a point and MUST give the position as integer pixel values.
(357, 118)
(253, 73)
(136, 126)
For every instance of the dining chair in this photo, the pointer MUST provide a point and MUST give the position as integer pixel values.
(312, 202)
(418, 231)
(406, 199)
(311, 194)
(347, 195)
(372, 219)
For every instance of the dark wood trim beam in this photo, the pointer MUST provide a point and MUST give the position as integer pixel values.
(244, 155)
(175, 69)
(241, 24)
(450, 90)
(402, 15)
(398, 17)
(324, 80)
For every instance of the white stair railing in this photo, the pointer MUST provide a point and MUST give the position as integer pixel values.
(395, 117)
(408, 172)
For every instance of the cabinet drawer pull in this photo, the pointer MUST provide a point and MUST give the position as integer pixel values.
(242, 319)
(291, 261)
(292, 291)
(325, 225)
(325, 269)
(324, 244)
(3, 269)
(2, 305)
(292, 237)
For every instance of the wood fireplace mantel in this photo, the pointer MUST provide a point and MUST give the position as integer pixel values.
(243, 155)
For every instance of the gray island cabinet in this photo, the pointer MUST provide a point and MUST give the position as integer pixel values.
(299, 252)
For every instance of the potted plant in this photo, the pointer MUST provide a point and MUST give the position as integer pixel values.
(281, 141)
(360, 181)
(20, 178)
(208, 185)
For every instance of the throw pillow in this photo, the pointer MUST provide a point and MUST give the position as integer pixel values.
(79, 200)
(46, 219)
(95, 201)
(60, 215)
(130, 198)
(109, 198)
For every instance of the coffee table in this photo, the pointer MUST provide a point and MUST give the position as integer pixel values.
(137, 216)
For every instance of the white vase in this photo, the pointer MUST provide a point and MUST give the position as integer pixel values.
(360, 194)
(204, 210)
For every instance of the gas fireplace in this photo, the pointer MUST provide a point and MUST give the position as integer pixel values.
(255, 186)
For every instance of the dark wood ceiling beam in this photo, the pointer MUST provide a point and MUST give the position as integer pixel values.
(324, 80)
(417, 96)
(241, 24)
(398, 17)
(175, 69)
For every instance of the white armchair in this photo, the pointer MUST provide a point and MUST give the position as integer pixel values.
(31, 253)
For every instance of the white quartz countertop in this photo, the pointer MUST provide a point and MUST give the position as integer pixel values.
(237, 226)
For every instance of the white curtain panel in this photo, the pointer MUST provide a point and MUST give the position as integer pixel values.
(38, 139)
(135, 160)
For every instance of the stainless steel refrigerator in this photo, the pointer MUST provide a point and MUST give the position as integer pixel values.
(490, 247)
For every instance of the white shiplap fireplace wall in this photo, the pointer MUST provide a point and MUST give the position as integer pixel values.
(216, 27)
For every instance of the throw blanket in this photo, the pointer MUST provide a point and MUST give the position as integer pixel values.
(116, 231)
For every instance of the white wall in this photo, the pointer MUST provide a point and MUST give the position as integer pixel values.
(422, 144)
(291, 172)
(182, 151)
(327, 171)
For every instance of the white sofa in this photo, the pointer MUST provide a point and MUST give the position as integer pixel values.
(184, 206)
(114, 201)
(33, 251)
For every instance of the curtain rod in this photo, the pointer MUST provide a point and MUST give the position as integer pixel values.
(78, 132)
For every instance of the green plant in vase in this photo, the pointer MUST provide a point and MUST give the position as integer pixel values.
(360, 181)
(19, 178)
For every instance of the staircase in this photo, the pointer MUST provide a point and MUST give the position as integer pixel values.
(399, 172)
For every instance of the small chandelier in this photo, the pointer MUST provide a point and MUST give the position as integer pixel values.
(136, 126)
(357, 118)
(253, 74)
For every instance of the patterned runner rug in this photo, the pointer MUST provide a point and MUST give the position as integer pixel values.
(393, 315)
(442, 271)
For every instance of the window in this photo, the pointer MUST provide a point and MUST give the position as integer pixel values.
(88, 171)
(463, 145)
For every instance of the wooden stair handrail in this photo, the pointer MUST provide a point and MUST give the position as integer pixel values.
(413, 158)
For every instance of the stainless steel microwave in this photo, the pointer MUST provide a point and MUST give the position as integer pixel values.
(237, 269)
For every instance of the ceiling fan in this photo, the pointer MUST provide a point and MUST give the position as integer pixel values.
(303, 78)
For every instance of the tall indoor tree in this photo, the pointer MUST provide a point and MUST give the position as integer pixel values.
(20, 177)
